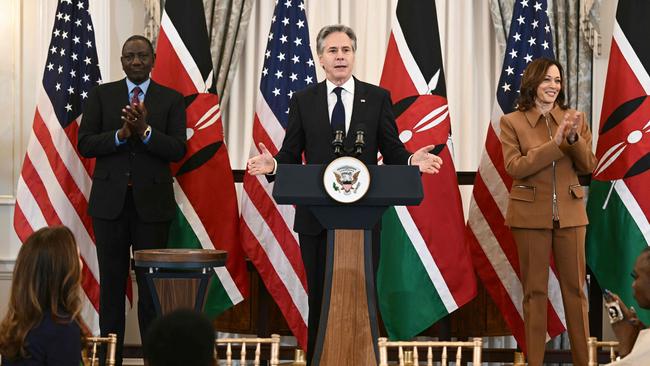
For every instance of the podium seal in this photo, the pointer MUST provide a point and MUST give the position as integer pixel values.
(346, 179)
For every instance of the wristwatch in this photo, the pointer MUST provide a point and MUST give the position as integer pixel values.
(146, 133)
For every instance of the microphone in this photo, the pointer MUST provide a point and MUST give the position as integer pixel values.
(337, 143)
(360, 142)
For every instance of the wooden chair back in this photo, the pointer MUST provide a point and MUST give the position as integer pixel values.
(408, 351)
(243, 343)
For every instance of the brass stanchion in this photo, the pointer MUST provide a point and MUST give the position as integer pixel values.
(520, 360)
(408, 358)
(299, 358)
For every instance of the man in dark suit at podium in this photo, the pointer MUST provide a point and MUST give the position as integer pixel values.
(340, 103)
(134, 128)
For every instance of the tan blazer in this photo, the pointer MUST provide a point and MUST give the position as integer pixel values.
(528, 153)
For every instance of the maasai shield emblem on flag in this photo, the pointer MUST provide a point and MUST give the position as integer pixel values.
(493, 248)
(425, 269)
(204, 188)
(619, 195)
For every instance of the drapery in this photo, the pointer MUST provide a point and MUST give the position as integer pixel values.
(227, 22)
(227, 25)
(571, 47)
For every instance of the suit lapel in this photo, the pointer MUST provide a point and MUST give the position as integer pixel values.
(358, 110)
(322, 118)
(150, 97)
(124, 91)
(118, 93)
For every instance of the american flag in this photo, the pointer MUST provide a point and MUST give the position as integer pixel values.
(493, 247)
(266, 228)
(54, 182)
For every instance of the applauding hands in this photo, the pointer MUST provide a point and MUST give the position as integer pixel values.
(134, 121)
(569, 128)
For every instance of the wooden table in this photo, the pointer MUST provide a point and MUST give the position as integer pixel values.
(179, 278)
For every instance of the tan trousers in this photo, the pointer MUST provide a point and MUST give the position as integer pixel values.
(534, 249)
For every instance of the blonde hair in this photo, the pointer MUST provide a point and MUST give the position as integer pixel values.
(46, 282)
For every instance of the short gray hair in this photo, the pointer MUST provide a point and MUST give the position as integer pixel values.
(329, 29)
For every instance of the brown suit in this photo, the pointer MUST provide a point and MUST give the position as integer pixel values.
(529, 152)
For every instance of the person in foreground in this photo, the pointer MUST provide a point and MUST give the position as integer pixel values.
(546, 146)
(632, 334)
(134, 128)
(43, 323)
(180, 338)
(346, 104)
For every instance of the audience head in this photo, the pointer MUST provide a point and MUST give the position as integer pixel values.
(182, 337)
(539, 76)
(46, 282)
(641, 275)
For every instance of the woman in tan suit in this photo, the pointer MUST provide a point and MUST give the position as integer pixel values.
(545, 146)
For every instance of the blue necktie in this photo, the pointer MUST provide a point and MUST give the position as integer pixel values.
(338, 114)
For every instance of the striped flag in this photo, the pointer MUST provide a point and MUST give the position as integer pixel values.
(204, 188)
(266, 228)
(54, 182)
(619, 199)
(493, 248)
(425, 269)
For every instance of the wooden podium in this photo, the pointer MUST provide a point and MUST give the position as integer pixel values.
(347, 333)
(178, 278)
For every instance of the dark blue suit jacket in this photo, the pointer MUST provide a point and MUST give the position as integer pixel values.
(309, 131)
(51, 343)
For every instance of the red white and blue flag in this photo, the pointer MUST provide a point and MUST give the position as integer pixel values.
(267, 228)
(54, 182)
(493, 247)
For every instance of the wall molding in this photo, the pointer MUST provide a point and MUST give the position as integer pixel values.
(7, 200)
(100, 11)
(7, 269)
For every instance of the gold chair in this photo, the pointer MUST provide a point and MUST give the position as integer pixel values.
(274, 341)
(407, 358)
(593, 345)
(299, 358)
(89, 354)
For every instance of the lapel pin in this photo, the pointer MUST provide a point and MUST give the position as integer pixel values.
(362, 100)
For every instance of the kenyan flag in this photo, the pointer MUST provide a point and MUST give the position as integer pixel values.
(619, 196)
(425, 270)
(204, 187)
